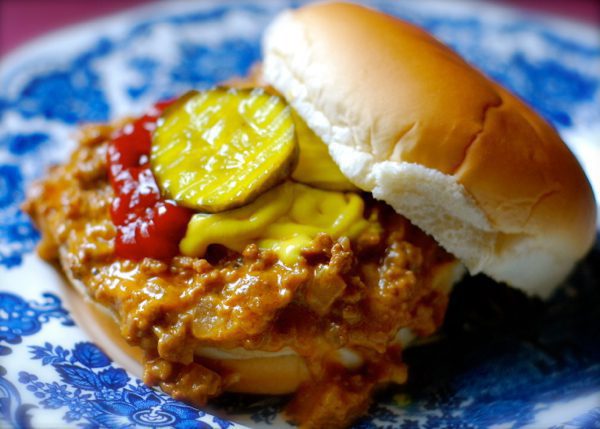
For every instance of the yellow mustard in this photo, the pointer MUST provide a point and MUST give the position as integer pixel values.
(315, 166)
(285, 219)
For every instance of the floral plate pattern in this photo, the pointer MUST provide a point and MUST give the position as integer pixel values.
(537, 367)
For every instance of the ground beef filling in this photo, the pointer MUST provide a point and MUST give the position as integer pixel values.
(353, 295)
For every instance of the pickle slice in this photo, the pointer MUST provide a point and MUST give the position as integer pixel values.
(315, 166)
(220, 149)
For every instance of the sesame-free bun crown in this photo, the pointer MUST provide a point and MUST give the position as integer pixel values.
(410, 121)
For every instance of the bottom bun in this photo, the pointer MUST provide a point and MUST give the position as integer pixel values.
(262, 375)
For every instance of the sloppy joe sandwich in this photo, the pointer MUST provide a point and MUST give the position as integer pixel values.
(293, 232)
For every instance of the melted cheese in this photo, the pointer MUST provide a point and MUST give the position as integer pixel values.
(315, 165)
(285, 219)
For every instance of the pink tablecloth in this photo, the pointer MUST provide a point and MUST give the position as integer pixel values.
(21, 20)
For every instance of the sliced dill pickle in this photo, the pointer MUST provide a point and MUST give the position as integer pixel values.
(220, 149)
(315, 166)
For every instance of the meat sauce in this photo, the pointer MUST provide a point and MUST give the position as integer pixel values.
(343, 294)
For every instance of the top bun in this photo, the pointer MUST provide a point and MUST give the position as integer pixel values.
(410, 121)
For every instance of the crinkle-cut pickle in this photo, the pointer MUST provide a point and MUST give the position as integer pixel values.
(220, 149)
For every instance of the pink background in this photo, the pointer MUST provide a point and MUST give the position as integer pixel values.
(21, 20)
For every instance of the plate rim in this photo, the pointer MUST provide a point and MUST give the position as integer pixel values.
(50, 37)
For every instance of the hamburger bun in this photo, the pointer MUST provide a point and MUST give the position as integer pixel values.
(410, 121)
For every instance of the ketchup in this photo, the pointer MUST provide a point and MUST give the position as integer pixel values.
(147, 224)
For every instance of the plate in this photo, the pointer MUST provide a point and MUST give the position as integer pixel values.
(536, 365)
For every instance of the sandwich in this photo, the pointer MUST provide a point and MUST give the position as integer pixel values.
(292, 232)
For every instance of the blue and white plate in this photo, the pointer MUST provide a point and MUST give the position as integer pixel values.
(536, 366)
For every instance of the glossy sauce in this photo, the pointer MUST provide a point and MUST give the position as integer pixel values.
(147, 225)
(353, 294)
